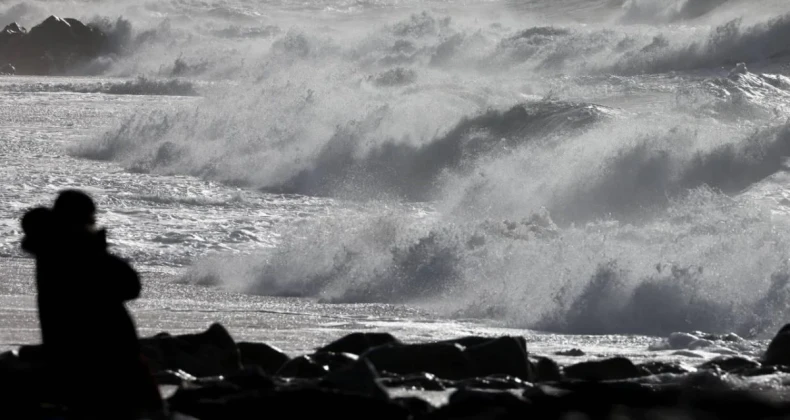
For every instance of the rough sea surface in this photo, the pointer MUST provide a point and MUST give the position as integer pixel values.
(591, 174)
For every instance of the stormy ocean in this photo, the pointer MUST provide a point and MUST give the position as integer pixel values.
(591, 174)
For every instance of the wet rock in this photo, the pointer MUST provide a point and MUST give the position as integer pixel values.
(659, 368)
(173, 377)
(447, 361)
(730, 364)
(334, 361)
(253, 377)
(303, 367)
(477, 404)
(360, 377)
(12, 30)
(778, 352)
(210, 353)
(468, 341)
(500, 382)
(604, 370)
(416, 406)
(267, 357)
(297, 403)
(502, 356)
(7, 70)
(359, 342)
(571, 353)
(417, 381)
(51, 47)
(680, 340)
(547, 370)
(11, 35)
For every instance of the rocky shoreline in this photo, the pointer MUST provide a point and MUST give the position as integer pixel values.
(215, 377)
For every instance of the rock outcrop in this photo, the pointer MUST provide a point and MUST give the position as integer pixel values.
(52, 47)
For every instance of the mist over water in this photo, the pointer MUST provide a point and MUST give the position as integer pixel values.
(573, 166)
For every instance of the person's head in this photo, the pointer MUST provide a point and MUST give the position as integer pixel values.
(75, 208)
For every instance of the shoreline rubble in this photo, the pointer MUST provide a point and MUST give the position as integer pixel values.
(215, 377)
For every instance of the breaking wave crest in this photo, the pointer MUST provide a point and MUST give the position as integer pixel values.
(712, 263)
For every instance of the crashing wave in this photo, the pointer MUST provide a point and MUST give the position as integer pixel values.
(342, 166)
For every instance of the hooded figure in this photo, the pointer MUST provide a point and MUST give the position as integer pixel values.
(89, 337)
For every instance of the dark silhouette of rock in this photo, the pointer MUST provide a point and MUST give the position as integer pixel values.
(503, 355)
(571, 353)
(495, 382)
(296, 403)
(778, 352)
(210, 353)
(359, 342)
(267, 357)
(547, 370)
(659, 368)
(360, 377)
(11, 35)
(82, 288)
(54, 46)
(476, 404)
(730, 364)
(7, 69)
(603, 370)
(303, 367)
(416, 381)
(414, 405)
(447, 361)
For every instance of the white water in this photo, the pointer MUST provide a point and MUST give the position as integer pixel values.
(534, 165)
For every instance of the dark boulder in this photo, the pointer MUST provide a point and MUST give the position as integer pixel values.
(303, 367)
(11, 35)
(296, 403)
(547, 370)
(52, 47)
(778, 352)
(571, 353)
(210, 353)
(468, 341)
(604, 370)
(316, 365)
(502, 356)
(360, 377)
(497, 382)
(334, 361)
(418, 407)
(447, 361)
(477, 404)
(172, 377)
(359, 342)
(660, 368)
(730, 364)
(416, 381)
(267, 357)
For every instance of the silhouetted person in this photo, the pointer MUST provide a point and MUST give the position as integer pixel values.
(89, 339)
